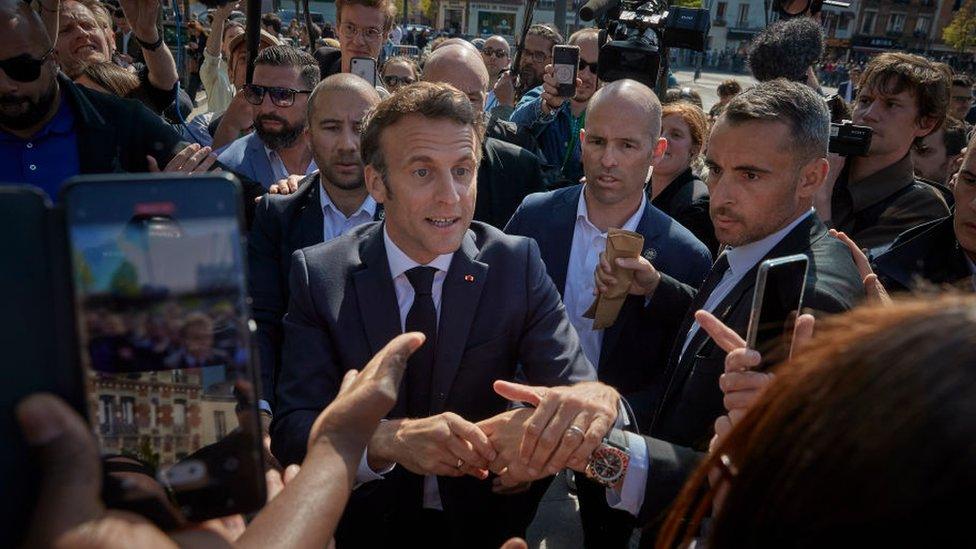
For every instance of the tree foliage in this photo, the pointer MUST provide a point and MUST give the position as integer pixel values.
(961, 32)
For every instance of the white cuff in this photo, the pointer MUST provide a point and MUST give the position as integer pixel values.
(365, 474)
(631, 496)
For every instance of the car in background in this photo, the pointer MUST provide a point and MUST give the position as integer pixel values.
(287, 15)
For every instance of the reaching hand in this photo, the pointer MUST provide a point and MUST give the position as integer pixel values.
(567, 425)
(505, 432)
(551, 100)
(192, 159)
(445, 445)
(287, 185)
(505, 90)
(644, 282)
(873, 289)
(142, 16)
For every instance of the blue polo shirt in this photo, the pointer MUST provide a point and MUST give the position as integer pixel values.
(46, 159)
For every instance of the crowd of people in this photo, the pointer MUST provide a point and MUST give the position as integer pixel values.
(430, 274)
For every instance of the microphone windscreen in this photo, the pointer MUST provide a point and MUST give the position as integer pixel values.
(786, 49)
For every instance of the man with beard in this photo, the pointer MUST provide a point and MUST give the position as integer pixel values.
(557, 121)
(328, 203)
(52, 129)
(283, 79)
(81, 42)
(536, 54)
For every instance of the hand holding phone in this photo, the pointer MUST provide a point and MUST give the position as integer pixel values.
(565, 64)
(775, 306)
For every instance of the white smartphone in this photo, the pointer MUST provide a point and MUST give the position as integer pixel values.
(365, 68)
(775, 306)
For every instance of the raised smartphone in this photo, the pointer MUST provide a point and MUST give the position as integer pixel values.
(365, 68)
(565, 64)
(776, 304)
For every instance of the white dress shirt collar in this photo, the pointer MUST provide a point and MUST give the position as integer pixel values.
(368, 206)
(400, 262)
(583, 214)
(745, 257)
(278, 168)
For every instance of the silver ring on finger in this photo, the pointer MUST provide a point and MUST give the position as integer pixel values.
(574, 429)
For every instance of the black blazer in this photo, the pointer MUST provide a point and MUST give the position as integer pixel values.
(282, 224)
(683, 422)
(686, 200)
(927, 254)
(500, 313)
(550, 219)
(506, 175)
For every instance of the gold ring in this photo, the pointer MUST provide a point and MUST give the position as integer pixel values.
(575, 429)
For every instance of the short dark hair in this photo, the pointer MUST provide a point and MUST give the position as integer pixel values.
(688, 95)
(273, 21)
(954, 136)
(547, 32)
(792, 103)
(427, 99)
(894, 72)
(786, 49)
(962, 80)
(288, 56)
(729, 88)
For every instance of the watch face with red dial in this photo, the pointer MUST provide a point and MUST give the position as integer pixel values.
(607, 464)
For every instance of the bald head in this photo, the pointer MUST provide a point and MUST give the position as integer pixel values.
(631, 96)
(459, 65)
(20, 24)
(343, 82)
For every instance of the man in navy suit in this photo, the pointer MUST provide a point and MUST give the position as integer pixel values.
(487, 308)
(283, 80)
(328, 203)
(621, 140)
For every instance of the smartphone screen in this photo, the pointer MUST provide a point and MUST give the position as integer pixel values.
(775, 306)
(364, 67)
(158, 274)
(565, 63)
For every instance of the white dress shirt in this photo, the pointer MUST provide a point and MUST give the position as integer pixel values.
(335, 223)
(400, 263)
(278, 169)
(584, 256)
(741, 260)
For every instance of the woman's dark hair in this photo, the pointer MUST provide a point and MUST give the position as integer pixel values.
(866, 438)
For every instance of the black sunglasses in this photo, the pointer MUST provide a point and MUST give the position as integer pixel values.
(593, 66)
(393, 80)
(281, 97)
(24, 68)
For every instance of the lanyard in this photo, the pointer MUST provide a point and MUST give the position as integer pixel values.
(575, 123)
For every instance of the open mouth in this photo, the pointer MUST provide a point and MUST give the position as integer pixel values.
(87, 49)
(442, 222)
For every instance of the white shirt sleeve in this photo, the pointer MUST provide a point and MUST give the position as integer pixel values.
(364, 474)
(631, 496)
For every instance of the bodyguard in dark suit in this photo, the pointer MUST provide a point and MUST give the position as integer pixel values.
(486, 307)
(570, 226)
(767, 159)
(326, 205)
(507, 173)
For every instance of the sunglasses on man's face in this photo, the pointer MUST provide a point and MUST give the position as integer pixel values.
(594, 66)
(490, 52)
(393, 80)
(280, 97)
(24, 68)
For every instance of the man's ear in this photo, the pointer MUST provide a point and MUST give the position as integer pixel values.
(374, 184)
(812, 177)
(660, 148)
(926, 125)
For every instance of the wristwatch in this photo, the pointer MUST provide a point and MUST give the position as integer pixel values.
(609, 461)
(150, 46)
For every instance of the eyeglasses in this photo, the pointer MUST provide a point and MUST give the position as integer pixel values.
(491, 52)
(280, 97)
(394, 80)
(370, 34)
(536, 56)
(594, 66)
(24, 68)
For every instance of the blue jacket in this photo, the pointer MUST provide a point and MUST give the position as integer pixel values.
(552, 131)
(247, 156)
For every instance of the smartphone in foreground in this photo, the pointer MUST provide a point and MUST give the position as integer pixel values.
(565, 63)
(157, 266)
(775, 306)
(365, 68)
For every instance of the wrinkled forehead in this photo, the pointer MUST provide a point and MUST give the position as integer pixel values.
(76, 11)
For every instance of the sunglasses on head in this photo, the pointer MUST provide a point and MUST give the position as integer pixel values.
(280, 97)
(24, 68)
(592, 66)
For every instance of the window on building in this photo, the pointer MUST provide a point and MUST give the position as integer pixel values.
(843, 22)
(922, 24)
(128, 405)
(220, 424)
(720, 10)
(896, 23)
(105, 405)
(743, 15)
(867, 22)
(153, 410)
(179, 413)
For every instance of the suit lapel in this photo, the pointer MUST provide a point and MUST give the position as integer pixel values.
(559, 238)
(612, 334)
(375, 293)
(311, 219)
(259, 161)
(459, 301)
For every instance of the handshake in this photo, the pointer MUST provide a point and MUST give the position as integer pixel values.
(565, 425)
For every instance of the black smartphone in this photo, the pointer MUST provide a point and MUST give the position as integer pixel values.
(164, 335)
(775, 306)
(37, 336)
(565, 64)
(365, 68)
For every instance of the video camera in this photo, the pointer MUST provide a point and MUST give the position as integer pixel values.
(635, 36)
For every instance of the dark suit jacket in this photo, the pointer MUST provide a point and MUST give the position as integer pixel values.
(692, 401)
(550, 219)
(499, 311)
(115, 135)
(506, 175)
(686, 200)
(927, 254)
(282, 224)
